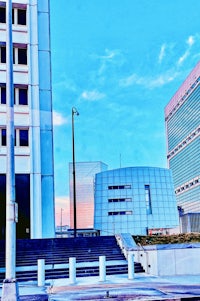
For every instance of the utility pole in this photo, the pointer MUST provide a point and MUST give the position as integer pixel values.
(10, 287)
(61, 210)
(74, 112)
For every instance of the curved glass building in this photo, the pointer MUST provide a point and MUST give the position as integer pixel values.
(135, 200)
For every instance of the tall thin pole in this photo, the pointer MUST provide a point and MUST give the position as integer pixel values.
(61, 210)
(10, 134)
(74, 112)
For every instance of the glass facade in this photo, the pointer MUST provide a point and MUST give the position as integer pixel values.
(85, 175)
(182, 116)
(141, 201)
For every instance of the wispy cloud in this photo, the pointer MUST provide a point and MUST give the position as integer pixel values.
(148, 82)
(66, 84)
(92, 95)
(58, 119)
(162, 53)
(109, 54)
(109, 58)
(190, 41)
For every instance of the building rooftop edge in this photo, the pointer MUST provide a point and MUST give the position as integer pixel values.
(183, 89)
(135, 167)
(82, 162)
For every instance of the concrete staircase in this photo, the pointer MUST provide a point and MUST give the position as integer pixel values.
(57, 252)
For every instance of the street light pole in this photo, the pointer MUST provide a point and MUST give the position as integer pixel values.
(61, 210)
(74, 112)
(10, 287)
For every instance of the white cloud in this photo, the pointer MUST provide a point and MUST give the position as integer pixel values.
(92, 95)
(148, 82)
(58, 119)
(109, 58)
(161, 80)
(183, 57)
(109, 54)
(162, 53)
(131, 80)
(66, 84)
(190, 40)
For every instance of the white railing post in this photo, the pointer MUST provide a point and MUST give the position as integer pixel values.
(72, 270)
(130, 266)
(102, 268)
(41, 272)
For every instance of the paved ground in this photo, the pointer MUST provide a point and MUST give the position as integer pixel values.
(117, 288)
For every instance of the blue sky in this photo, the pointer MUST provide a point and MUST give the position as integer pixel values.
(119, 63)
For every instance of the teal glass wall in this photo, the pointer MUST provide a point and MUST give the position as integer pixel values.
(183, 140)
(135, 200)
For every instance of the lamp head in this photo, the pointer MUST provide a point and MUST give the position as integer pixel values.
(74, 111)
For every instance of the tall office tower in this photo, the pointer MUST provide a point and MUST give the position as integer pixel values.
(34, 176)
(85, 176)
(182, 118)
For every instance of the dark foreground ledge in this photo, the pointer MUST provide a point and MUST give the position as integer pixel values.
(40, 297)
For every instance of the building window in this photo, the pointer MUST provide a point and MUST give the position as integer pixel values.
(23, 138)
(2, 95)
(3, 137)
(148, 199)
(18, 16)
(20, 56)
(129, 212)
(119, 187)
(3, 54)
(21, 95)
(21, 16)
(2, 15)
(119, 200)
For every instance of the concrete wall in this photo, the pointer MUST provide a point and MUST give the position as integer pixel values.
(170, 260)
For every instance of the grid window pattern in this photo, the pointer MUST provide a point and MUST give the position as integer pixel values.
(184, 121)
(183, 135)
(154, 205)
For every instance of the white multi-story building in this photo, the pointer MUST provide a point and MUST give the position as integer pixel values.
(34, 173)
